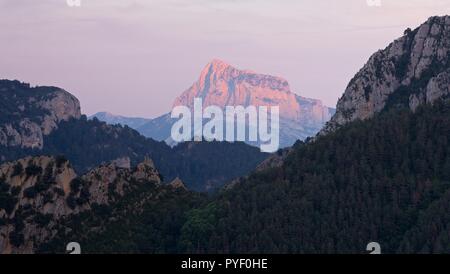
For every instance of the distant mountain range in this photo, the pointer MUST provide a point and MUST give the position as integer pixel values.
(222, 85)
(109, 118)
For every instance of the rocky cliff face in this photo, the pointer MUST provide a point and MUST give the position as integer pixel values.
(412, 70)
(38, 193)
(27, 114)
(223, 85)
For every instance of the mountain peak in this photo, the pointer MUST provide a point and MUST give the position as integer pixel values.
(222, 85)
(216, 67)
(36, 112)
(218, 63)
(412, 70)
(178, 184)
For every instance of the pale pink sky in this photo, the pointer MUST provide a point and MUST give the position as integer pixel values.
(134, 57)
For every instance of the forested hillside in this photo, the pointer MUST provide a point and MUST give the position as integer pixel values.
(386, 179)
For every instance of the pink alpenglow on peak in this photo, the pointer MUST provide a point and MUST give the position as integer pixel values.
(223, 85)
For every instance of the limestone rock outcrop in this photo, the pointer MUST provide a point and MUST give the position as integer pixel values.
(411, 71)
(27, 113)
(38, 193)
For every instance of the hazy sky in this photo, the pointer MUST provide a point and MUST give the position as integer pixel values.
(133, 57)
